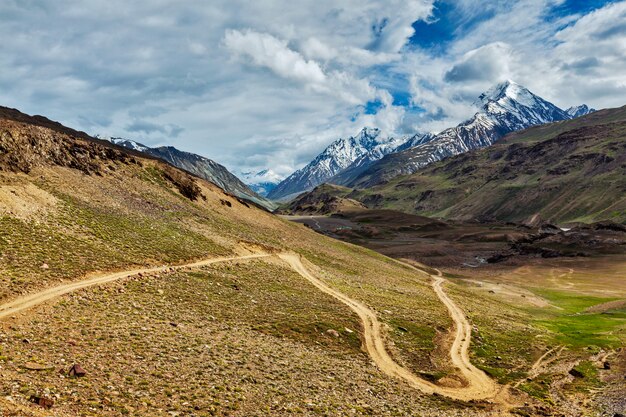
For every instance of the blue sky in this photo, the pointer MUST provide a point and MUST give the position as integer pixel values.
(268, 84)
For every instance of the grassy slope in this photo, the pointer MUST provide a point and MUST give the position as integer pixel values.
(566, 172)
(130, 213)
(250, 338)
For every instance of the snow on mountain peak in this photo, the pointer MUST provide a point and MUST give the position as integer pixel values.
(126, 143)
(261, 182)
(265, 175)
(577, 111)
(505, 107)
(368, 145)
(508, 89)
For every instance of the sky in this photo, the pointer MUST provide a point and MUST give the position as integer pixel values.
(270, 83)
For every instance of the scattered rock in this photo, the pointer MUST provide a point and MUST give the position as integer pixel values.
(403, 329)
(44, 266)
(161, 292)
(332, 332)
(41, 401)
(26, 341)
(576, 373)
(77, 371)
(348, 330)
(606, 365)
(173, 324)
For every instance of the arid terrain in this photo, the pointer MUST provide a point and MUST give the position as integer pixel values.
(175, 298)
(304, 208)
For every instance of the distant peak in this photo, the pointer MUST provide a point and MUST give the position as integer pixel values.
(577, 111)
(508, 89)
(505, 88)
(370, 131)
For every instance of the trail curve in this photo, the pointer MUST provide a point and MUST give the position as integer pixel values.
(32, 300)
(479, 386)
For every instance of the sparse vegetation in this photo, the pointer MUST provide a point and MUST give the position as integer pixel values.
(243, 338)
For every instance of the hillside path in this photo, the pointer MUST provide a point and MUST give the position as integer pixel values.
(479, 385)
(31, 300)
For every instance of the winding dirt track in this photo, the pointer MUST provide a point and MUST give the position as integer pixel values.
(479, 385)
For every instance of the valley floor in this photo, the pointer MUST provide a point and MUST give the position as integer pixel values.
(572, 306)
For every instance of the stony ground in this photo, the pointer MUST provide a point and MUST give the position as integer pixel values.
(226, 340)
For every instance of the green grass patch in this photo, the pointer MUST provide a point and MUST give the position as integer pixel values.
(573, 327)
(590, 378)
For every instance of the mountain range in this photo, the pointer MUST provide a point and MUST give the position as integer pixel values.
(261, 182)
(504, 108)
(360, 150)
(200, 166)
(567, 172)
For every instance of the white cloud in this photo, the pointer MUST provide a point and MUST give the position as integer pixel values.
(267, 51)
(270, 83)
(303, 70)
(486, 63)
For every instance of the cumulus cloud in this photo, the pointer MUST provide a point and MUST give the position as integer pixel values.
(267, 51)
(486, 63)
(146, 127)
(271, 83)
(275, 54)
(141, 69)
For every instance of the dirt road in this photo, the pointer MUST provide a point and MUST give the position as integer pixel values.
(459, 352)
(32, 300)
(479, 386)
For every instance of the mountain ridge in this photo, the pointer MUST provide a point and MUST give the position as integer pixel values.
(261, 182)
(567, 172)
(505, 107)
(339, 155)
(198, 165)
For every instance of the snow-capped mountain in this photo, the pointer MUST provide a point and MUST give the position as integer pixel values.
(362, 163)
(199, 166)
(262, 182)
(504, 108)
(415, 140)
(577, 111)
(126, 143)
(369, 145)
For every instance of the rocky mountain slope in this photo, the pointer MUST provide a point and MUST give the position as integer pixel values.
(200, 166)
(323, 199)
(565, 172)
(369, 145)
(505, 108)
(72, 206)
(577, 111)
